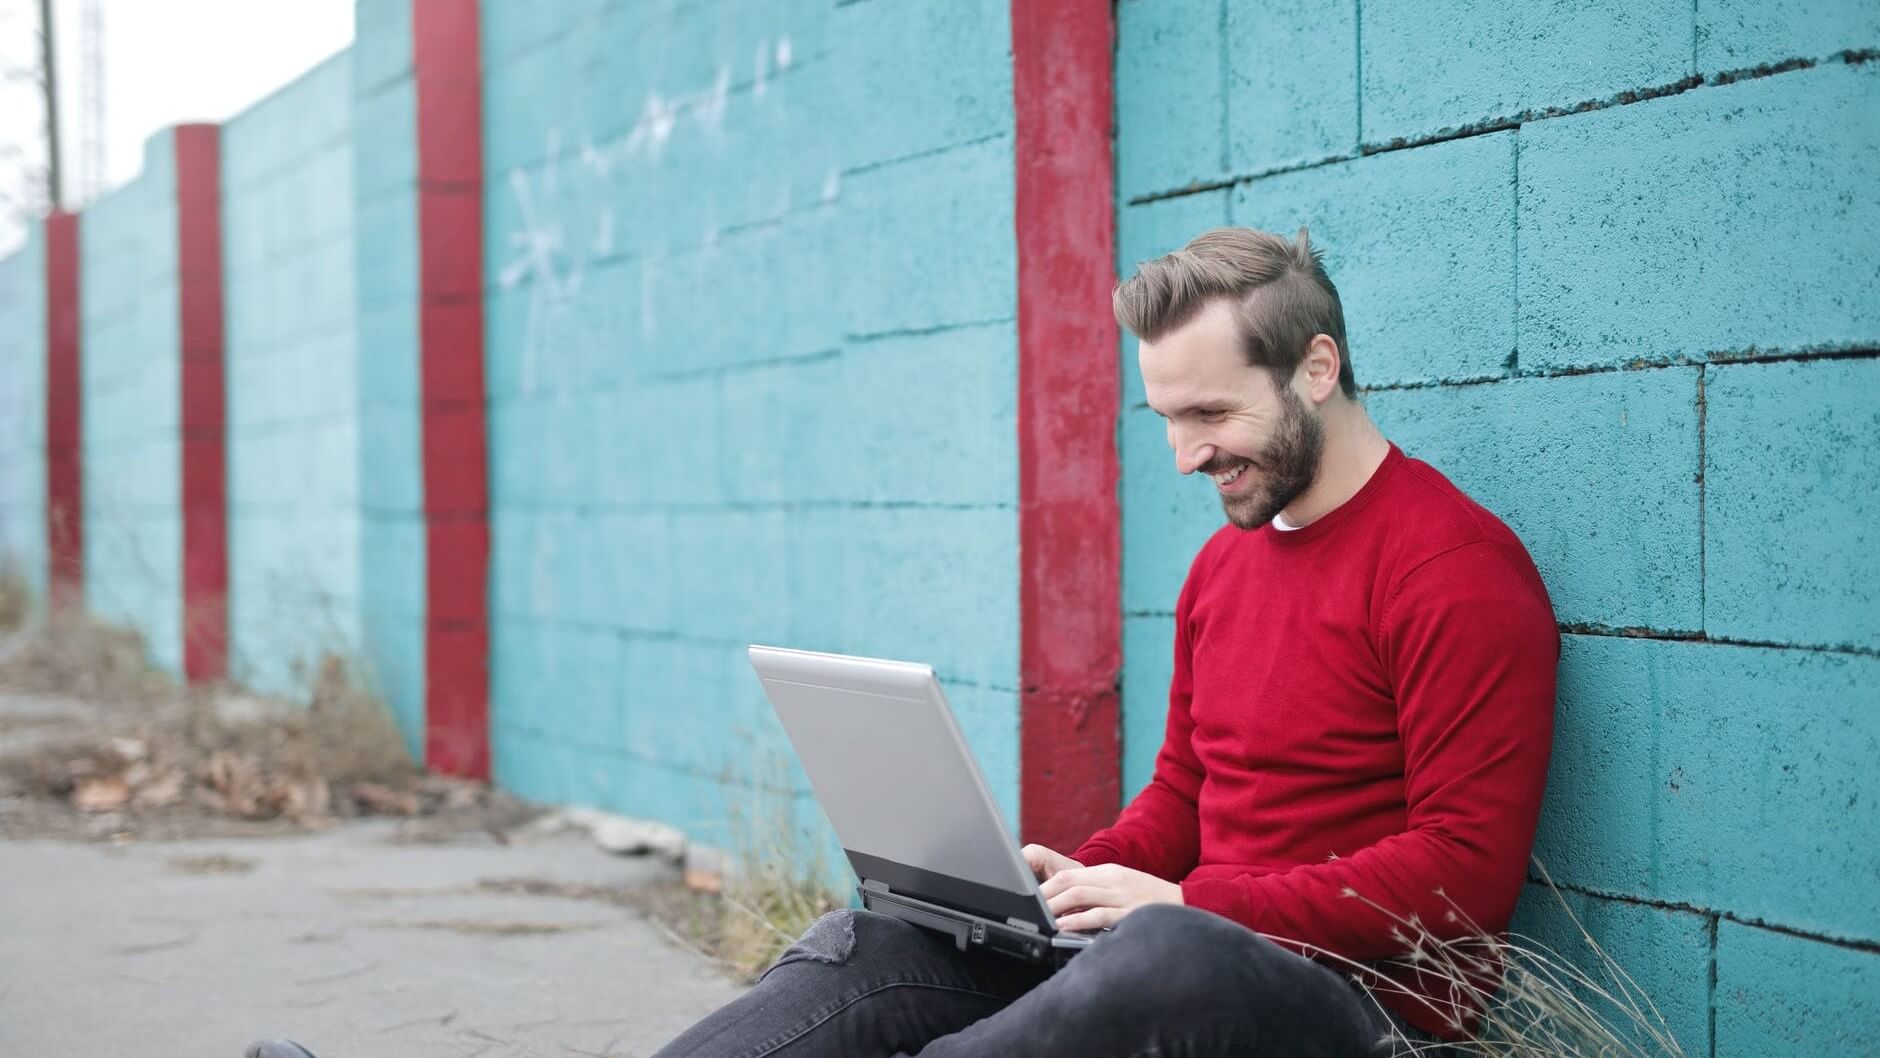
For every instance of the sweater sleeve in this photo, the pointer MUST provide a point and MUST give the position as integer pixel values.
(1470, 646)
(1160, 830)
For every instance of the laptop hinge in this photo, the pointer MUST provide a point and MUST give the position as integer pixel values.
(875, 887)
(1029, 927)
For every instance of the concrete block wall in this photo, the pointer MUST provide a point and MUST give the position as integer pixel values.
(1611, 270)
(23, 413)
(752, 372)
(132, 406)
(292, 381)
(384, 242)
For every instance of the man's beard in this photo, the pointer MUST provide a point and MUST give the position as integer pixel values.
(1288, 465)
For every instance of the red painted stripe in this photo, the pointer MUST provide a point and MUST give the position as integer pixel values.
(65, 511)
(205, 475)
(450, 330)
(1070, 540)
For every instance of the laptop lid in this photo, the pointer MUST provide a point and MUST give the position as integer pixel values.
(887, 761)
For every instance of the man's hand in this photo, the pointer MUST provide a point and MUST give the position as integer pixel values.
(1095, 897)
(1045, 862)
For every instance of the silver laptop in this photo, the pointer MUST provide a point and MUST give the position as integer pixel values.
(908, 802)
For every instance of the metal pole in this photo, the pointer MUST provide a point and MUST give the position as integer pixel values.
(49, 69)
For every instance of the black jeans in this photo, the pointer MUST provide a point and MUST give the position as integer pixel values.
(1169, 980)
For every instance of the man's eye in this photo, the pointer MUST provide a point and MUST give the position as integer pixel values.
(1212, 415)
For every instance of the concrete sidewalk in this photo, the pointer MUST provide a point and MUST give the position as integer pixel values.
(352, 944)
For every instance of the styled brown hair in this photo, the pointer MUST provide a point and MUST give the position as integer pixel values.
(1280, 293)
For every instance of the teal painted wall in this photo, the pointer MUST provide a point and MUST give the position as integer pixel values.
(1611, 270)
(390, 485)
(752, 372)
(751, 362)
(131, 405)
(292, 381)
(23, 412)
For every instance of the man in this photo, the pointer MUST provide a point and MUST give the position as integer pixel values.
(1358, 732)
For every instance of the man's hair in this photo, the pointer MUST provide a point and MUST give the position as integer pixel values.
(1279, 292)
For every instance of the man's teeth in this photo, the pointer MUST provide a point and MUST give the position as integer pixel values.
(1227, 477)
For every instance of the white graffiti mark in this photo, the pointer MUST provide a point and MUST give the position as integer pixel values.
(597, 161)
(539, 262)
(654, 128)
(783, 53)
(832, 186)
(711, 112)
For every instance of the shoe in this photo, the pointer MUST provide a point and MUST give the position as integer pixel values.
(276, 1049)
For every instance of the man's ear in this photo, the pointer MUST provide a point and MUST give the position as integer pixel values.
(1320, 368)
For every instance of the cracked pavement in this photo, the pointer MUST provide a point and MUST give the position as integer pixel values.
(347, 941)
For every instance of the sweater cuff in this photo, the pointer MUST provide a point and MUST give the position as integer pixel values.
(1095, 852)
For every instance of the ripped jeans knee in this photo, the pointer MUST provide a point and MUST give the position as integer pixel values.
(830, 940)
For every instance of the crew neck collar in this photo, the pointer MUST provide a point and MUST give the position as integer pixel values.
(1344, 511)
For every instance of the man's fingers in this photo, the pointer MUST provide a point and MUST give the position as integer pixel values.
(1094, 918)
(1070, 876)
(1081, 896)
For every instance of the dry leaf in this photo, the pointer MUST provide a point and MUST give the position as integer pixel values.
(161, 792)
(101, 794)
(384, 800)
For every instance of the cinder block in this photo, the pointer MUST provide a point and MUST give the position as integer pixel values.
(390, 459)
(904, 225)
(382, 43)
(635, 551)
(1148, 231)
(1743, 34)
(1148, 667)
(1171, 102)
(387, 356)
(662, 443)
(778, 441)
(674, 704)
(387, 250)
(1781, 996)
(1663, 954)
(954, 443)
(1704, 774)
(1790, 546)
(559, 679)
(1596, 473)
(532, 766)
(392, 567)
(1428, 69)
(1746, 204)
(921, 77)
(1167, 516)
(939, 586)
(730, 567)
(385, 142)
(1292, 83)
(1421, 246)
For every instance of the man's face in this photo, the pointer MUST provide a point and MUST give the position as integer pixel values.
(1229, 419)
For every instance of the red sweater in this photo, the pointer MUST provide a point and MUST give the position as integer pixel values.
(1364, 704)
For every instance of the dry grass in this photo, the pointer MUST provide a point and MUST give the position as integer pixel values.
(16, 597)
(152, 758)
(1547, 1004)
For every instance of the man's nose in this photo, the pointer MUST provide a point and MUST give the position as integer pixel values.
(1190, 455)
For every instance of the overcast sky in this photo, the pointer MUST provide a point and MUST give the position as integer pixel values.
(165, 62)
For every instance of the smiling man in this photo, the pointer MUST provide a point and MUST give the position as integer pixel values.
(1358, 733)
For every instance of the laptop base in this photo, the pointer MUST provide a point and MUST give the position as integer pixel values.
(973, 931)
